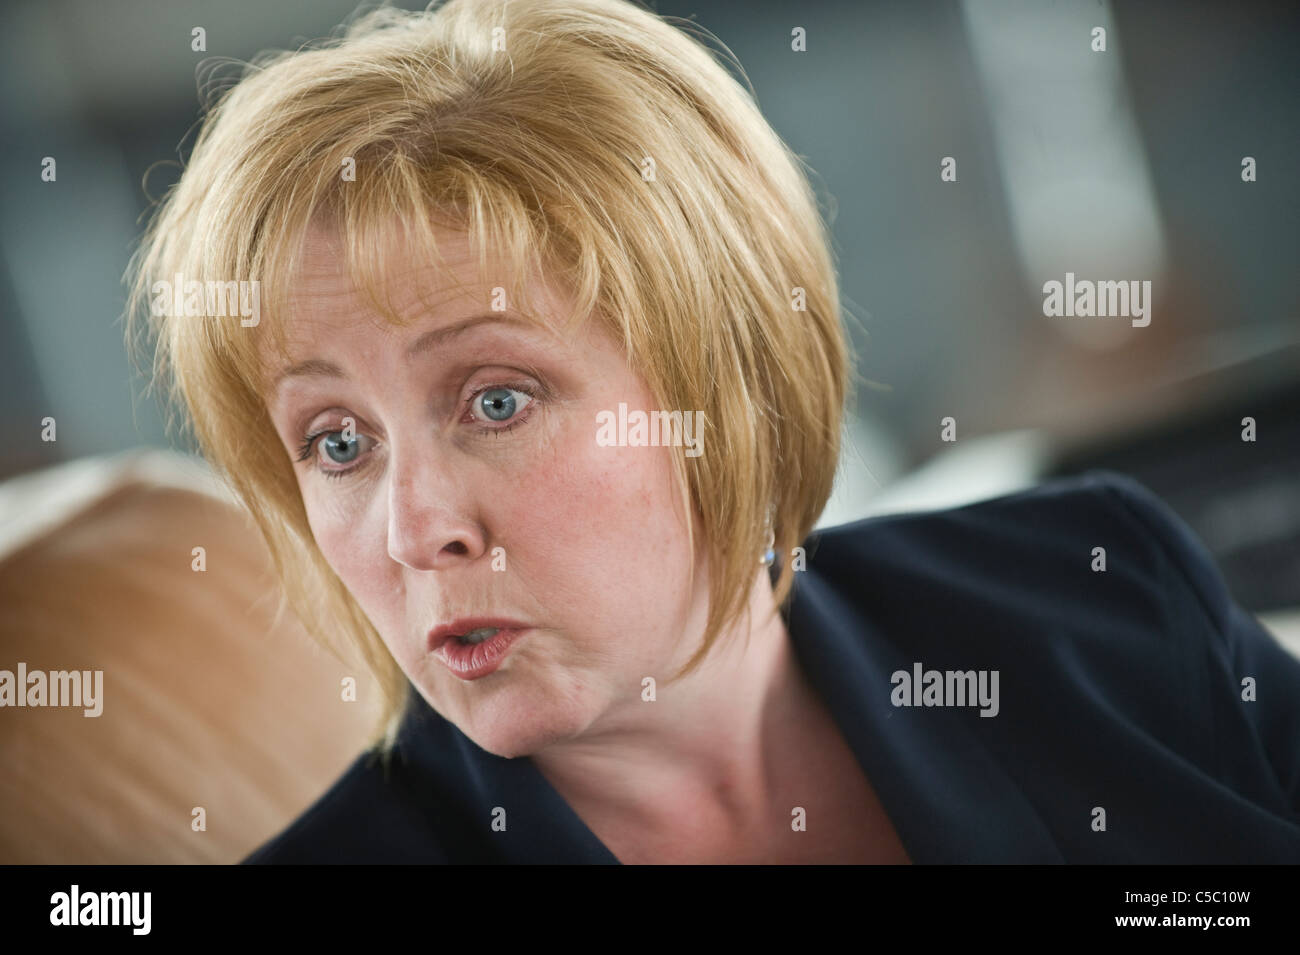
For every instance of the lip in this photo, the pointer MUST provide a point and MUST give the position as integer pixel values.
(478, 660)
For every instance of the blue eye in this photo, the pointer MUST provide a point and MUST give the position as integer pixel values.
(347, 450)
(499, 403)
(340, 451)
(500, 407)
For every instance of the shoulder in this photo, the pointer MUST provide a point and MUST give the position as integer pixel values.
(1058, 508)
(364, 817)
(1090, 538)
(1115, 635)
(1094, 603)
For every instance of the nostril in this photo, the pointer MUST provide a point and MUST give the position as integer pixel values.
(458, 548)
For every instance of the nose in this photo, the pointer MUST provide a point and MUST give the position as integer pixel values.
(430, 514)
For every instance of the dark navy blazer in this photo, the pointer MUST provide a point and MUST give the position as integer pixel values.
(1118, 690)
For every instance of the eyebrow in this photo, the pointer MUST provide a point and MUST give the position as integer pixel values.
(320, 368)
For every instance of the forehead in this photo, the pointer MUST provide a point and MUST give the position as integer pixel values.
(324, 284)
(399, 286)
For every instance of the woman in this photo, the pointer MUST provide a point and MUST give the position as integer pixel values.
(537, 403)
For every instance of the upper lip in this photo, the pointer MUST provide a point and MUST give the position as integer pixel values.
(463, 625)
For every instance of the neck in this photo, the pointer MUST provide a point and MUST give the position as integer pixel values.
(711, 740)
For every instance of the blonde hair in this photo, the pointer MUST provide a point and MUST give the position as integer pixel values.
(532, 126)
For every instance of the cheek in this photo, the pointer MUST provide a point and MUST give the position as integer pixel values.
(347, 539)
(598, 527)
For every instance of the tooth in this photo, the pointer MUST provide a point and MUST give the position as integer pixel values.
(479, 635)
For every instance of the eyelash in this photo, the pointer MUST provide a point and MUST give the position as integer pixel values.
(309, 440)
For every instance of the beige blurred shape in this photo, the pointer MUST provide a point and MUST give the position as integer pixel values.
(208, 701)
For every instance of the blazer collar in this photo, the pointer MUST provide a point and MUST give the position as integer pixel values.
(539, 826)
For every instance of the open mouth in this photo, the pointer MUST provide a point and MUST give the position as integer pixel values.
(478, 651)
(477, 636)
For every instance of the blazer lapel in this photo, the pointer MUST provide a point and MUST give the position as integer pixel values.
(946, 794)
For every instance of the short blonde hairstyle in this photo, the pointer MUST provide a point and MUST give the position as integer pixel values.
(534, 127)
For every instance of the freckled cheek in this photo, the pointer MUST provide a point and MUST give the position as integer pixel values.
(356, 552)
(597, 506)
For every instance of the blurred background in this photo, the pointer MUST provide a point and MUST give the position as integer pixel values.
(1119, 164)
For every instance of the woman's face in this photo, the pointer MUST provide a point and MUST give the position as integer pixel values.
(474, 487)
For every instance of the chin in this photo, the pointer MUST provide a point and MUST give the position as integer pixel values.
(517, 727)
